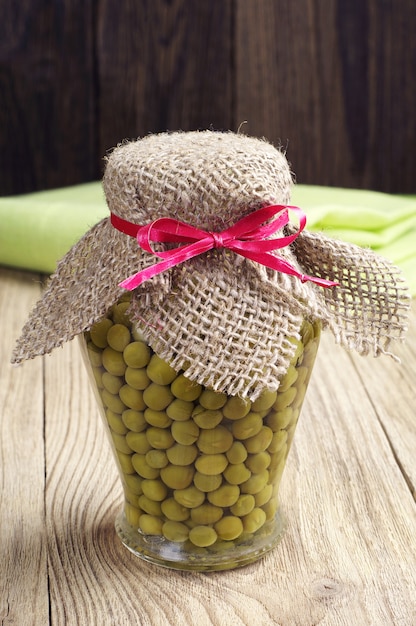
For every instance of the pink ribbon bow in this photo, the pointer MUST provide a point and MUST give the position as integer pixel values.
(247, 237)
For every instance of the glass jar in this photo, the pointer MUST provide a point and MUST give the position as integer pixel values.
(200, 470)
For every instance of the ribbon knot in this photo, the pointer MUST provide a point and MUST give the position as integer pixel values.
(218, 240)
(250, 237)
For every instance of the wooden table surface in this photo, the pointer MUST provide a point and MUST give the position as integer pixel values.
(348, 556)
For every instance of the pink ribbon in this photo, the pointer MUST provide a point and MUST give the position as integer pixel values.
(247, 237)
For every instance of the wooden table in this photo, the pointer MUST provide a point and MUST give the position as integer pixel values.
(349, 553)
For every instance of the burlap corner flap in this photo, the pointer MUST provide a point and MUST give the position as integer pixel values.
(370, 307)
(82, 289)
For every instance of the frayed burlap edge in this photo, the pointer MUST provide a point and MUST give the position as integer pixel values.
(370, 307)
(83, 288)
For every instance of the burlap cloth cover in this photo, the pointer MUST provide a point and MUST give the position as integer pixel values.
(227, 319)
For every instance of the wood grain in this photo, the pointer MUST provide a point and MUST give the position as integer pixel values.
(347, 556)
(23, 551)
(163, 66)
(47, 125)
(332, 82)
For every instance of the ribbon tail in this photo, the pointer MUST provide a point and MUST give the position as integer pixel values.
(281, 265)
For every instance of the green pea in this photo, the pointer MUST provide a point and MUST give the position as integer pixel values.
(142, 467)
(235, 408)
(131, 497)
(244, 505)
(237, 474)
(189, 497)
(280, 454)
(207, 483)
(215, 440)
(303, 373)
(152, 507)
(301, 392)
(174, 511)
(120, 443)
(297, 356)
(263, 496)
(119, 313)
(276, 470)
(157, 418)
(259, 442)
(154, 489)
(265, 401)
(254, 520)
(224, 496)
(159, 371)
(202, 536)
(125, 462)
(257, 463)
(185, 389)
(98, 332)
(113, 362)
(210, 399)
(179, 454)
(115, 422)
(255, 483)
(156, 459)
(134, 483)
(206, 418)
(270, 508)
(132, 514)
(185, 433)
(180, 410)
(277, 420)
(94, 355)
(150, 524)
(118, 337)
(157, 397)
(137, 354)
(177, 476)
(134, 420)
(175, 531)
(211, 464)
(229, 527)
(97, 375)
(138, 442)
(114, 403)
(206, 514)
(247, 426)
(278, 441)
(132, 398)
(159, 438)
(112, 383)
(137, 378)
(289, 379)
(285, 399)
(307, 332)
(237, 453)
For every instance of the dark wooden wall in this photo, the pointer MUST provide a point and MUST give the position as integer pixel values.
(331, 81)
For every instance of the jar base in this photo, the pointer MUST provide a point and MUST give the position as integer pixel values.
(223, 555)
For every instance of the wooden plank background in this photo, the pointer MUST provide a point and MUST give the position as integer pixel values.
(332, 82)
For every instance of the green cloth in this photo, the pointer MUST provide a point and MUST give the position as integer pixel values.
(37, 229)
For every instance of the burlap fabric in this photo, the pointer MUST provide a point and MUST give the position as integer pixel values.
(228, 319)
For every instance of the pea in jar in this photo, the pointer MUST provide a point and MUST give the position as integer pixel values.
(200, 469)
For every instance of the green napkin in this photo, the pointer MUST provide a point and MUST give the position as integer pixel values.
(370, 219)
(37, 229)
